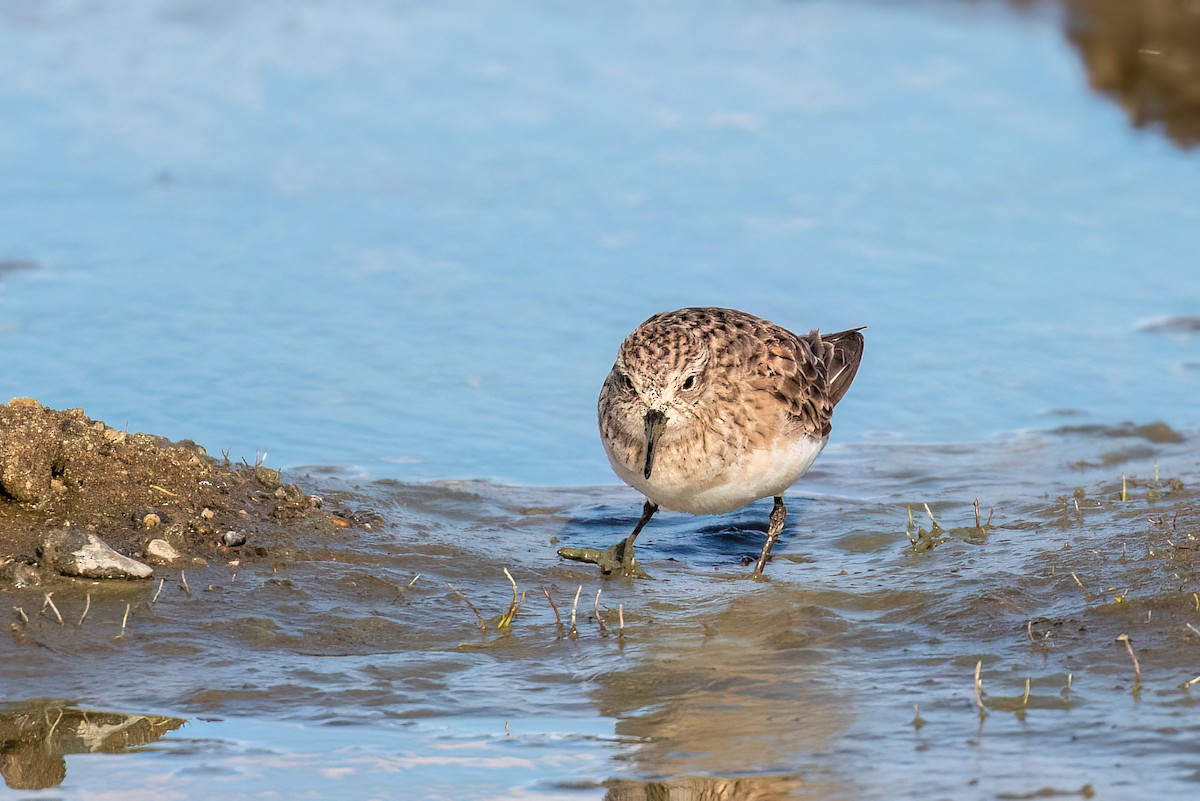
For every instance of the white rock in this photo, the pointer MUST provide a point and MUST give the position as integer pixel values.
(161, 552)
(73, 552)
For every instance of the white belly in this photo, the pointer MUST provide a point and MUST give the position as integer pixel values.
(756, 474)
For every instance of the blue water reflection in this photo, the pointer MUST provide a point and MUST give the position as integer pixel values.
(409, 238)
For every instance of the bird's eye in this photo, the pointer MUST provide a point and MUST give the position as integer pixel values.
(626, 381)
(688, 383)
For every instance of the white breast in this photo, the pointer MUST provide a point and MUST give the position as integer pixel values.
(756, 474)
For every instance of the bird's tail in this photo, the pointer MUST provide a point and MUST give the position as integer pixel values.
(843, 353)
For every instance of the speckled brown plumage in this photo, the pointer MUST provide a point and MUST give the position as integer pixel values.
(708, 409)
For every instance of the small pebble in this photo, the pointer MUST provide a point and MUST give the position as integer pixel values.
(233, 539)
(161, 552)
(207, 514)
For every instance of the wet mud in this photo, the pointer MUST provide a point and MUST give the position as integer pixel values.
(1044, 641)
(62, 471)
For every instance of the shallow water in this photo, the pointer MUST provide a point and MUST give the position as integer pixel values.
(338, 675)
(405, 241)
(409, 238)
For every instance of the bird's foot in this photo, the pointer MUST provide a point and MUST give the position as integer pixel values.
(613, 560)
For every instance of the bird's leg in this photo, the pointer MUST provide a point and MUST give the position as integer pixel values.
(624, 548)
(774, 529)
(617, 558)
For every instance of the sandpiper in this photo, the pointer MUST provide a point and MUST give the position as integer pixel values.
(709, 409)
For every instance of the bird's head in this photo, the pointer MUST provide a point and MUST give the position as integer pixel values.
(656, 385)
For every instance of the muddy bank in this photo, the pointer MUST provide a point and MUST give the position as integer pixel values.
(67, 481)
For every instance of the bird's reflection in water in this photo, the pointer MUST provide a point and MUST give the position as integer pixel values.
(740, 707)
(696, 788)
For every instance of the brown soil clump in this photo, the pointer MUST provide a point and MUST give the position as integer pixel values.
(60, 469)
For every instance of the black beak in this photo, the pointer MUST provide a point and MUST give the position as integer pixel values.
(656, 421)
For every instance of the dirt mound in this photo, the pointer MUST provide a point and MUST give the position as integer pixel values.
(61, 470)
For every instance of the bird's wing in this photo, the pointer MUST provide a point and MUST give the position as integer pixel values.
(793, 369)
